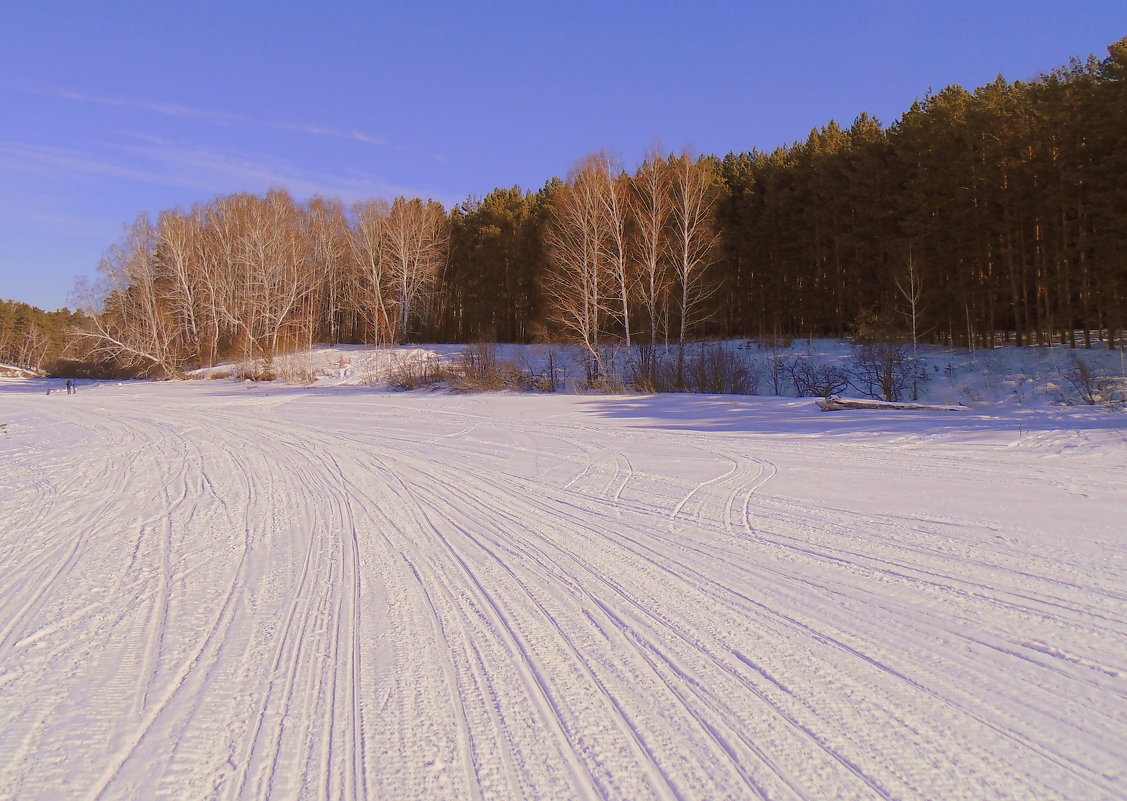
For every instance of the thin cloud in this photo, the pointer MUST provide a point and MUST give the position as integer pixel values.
(58, 162)
(169, 163)
(166, 109)
(209, 115)
(229, 171)
(316, 130)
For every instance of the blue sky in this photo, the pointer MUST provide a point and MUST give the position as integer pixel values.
(111, 109)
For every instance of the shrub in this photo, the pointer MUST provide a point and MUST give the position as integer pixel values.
(777, 370)
(548, 381)
(369, 369)
(710, 369)
(885, 370)
(479, 370)
(295, 368)
(1093, 387)
(715, 369)
(409, 373)
(651, 372)
(253, 370)
(816, 379)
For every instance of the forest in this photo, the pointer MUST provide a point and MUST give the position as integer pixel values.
(978, 218)
(34, 339)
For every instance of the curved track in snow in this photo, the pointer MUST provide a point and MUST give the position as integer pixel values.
(215, 592)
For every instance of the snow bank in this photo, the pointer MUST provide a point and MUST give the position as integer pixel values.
(1028, 377)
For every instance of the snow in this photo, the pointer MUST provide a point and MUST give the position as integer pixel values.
(1027, 377)
(13, 371)
(217, 590)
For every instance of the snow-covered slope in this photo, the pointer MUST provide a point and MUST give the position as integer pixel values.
(1029, 377)
(209, 590)
(12, 371)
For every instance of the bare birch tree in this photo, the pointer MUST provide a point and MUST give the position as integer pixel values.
(617, 210)
(417, 238)
(269, 278)
(127, 318)
(326, 231)
(693, 240)
(181, 270)
(33, 348)
(217, 278)
(576, 239)
(651, 213)
(289, 280)
(371, 277)
(911, 289)
(228, 270)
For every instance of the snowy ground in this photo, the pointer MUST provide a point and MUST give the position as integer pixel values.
(217, 590)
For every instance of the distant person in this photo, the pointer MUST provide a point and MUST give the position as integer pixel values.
(70, 386)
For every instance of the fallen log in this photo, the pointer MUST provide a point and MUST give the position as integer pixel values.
(834, 403)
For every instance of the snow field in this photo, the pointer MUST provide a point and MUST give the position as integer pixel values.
(210, 591)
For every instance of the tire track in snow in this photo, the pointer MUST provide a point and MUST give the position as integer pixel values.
(700, 641)
(710, 728)
(815, 634)
(441, 481)
(533, 680)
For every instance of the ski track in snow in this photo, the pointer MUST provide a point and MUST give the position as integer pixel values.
(214, 593)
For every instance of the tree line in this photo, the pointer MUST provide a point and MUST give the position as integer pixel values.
(246, 277)
(1007, 204)
(32, 338)
(978, 217)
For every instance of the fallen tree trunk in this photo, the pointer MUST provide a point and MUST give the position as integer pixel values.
(834, 403)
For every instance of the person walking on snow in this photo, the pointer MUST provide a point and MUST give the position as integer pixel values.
(70, 386)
